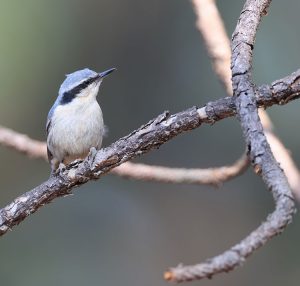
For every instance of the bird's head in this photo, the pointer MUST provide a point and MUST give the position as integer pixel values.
(83, 83)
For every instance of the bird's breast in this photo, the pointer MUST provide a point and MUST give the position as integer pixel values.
(75, 128)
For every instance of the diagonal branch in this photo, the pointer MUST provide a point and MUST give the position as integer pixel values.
(259, 150)
(211, 27)
(148, 137)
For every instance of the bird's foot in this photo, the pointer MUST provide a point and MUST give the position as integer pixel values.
(54, 172)
(75, 163)
(61, 168)
(92, 155)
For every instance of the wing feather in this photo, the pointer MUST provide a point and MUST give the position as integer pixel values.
(48, 126)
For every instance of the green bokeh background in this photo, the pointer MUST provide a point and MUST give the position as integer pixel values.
(120, 232)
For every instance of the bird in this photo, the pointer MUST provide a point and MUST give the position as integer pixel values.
(75, 121)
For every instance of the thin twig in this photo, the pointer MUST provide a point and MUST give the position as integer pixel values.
(148, 137)
(211, 27)
(209, 176)
(259, 151)
(286, 163)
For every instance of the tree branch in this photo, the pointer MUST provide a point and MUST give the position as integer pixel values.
(210, 24)
(211, 27)
(260, 153)
(209, 176)
(279, 92)
(148, 137)
(22, 143)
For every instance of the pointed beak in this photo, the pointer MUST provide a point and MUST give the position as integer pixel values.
(106, 73)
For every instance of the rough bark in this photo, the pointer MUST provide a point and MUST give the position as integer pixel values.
(147, 137)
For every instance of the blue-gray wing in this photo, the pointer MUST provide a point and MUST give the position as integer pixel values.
(48, 126)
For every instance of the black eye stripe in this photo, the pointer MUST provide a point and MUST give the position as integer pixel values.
(68, 96)
(86, 83)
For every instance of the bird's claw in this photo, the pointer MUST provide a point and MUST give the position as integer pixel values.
(75, 162)
(92, 154)
(60, 168)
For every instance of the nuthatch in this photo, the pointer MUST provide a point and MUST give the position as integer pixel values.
(75, 121)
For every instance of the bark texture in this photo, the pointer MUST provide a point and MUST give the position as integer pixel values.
(147, 137)
(259, 151)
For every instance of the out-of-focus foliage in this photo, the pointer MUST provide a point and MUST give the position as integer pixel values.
(120, 232)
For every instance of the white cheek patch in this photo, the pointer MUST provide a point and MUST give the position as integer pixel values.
(90, 91)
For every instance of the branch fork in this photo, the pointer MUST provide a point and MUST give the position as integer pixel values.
(257, 131)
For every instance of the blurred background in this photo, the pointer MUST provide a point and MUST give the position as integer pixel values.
(116, 231)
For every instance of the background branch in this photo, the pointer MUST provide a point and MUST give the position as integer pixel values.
(209, 176)
(211, 26)
(22, 143)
